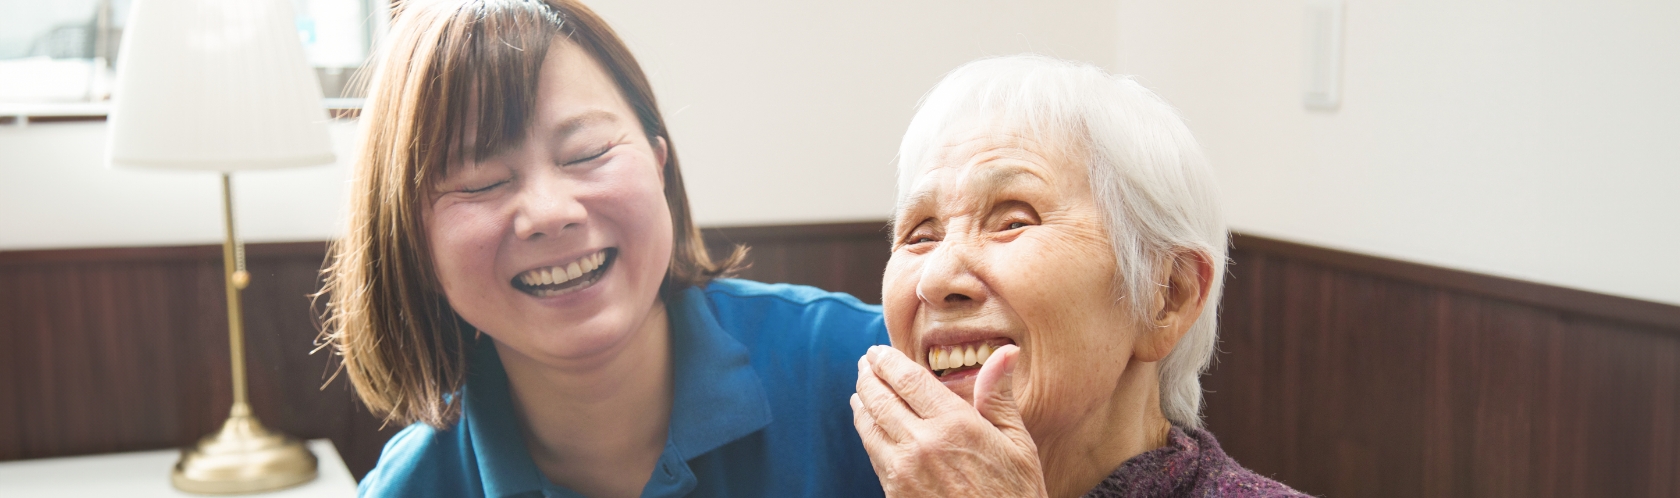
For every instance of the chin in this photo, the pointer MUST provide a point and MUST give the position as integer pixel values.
(607, 330)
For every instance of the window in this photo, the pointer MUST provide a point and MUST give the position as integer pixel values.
(63, 52)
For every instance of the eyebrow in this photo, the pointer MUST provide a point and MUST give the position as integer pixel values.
(990, 181)
(568, 126)
(911, 203)
(578, 121)
(996, 178)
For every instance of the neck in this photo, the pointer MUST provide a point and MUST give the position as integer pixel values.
(598, 425)
(1128, 425)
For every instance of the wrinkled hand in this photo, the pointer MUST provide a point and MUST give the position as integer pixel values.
(924, 440)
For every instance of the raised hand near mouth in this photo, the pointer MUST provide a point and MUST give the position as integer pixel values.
(924, 440)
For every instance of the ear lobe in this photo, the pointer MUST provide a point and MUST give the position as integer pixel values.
(1178, 304)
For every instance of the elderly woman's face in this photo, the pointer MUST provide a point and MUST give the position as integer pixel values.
(999, 241)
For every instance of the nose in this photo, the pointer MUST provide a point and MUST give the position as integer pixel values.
(948, 280)
(547, 206)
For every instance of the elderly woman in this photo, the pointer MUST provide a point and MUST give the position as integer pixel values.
(1058, 252)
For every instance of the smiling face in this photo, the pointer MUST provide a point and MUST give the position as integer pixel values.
(556, 247)
(999, 240)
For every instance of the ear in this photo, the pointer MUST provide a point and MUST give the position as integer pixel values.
(1185, 280)
(662, 154)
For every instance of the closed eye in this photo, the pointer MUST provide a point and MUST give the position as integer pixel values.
(484, 188)
(592, 157)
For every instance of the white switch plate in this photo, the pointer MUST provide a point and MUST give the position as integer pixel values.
(1323, 57)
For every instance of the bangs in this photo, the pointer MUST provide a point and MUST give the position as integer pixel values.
(485, 73)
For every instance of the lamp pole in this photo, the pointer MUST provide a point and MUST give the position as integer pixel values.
(244, 456)
(235, 279)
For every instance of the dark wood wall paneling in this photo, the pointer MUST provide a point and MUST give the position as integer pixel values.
(107, 350)
(1348, 375)
(1340, 374)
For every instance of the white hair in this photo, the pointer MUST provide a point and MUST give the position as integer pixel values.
(1148, 175)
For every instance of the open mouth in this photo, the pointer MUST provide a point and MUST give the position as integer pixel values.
(957, 358)
(570, 277)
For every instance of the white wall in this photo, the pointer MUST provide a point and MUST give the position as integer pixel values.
(1536, 140)
(1527, 139)
(782, 112)
(792, 111)
(55, 191)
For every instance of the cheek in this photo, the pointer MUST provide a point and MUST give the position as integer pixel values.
(898, 297)
(1075, 349)
(463, 241)
(630, 199)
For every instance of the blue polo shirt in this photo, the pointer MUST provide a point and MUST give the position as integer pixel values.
(763, 376)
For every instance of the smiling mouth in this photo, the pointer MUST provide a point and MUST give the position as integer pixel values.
(946, 360)
(567, 278)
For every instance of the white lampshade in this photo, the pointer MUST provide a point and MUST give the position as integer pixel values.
(215, 85)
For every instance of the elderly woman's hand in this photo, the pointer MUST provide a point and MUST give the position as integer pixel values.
(924, 440)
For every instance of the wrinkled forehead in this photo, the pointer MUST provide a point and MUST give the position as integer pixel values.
(979, 154)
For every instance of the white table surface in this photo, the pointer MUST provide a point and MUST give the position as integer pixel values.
(146, 474)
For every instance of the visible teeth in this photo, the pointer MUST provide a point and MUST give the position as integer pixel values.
(949, 357)
(561, 274)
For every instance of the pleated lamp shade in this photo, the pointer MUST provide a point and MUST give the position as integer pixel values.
(215, 85)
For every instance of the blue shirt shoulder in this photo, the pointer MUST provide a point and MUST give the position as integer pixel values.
(804, 343)
(782, 320)
(421, 460)
(763, 377)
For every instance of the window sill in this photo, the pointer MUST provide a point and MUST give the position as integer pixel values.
(22, 114)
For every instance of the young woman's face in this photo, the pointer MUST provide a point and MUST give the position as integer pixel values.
(557, 246)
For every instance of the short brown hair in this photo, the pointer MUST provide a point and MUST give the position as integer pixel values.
(447, 62)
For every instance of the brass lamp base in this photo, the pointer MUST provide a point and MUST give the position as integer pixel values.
(244, 457)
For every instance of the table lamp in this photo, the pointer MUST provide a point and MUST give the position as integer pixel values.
(222, 85)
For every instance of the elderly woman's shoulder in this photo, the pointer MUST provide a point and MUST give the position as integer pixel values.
(1223, 476)
(1191, 464)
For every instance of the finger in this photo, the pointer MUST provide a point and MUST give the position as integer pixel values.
(867, 428)
(916, 386)
(884, 406)
(875, 441)
(994, 394)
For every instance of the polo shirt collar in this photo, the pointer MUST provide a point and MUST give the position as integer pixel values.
(505, 468)
(717, 398)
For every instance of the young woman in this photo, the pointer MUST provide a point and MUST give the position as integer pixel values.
(522, 283)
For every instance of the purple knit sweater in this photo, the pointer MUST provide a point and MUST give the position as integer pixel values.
(1190, 465)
